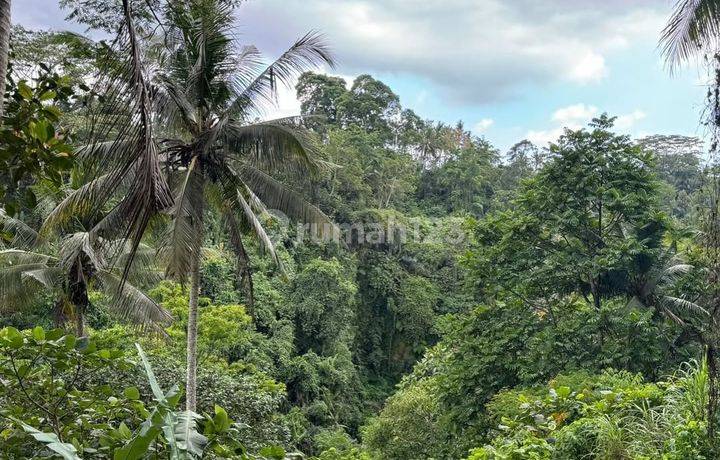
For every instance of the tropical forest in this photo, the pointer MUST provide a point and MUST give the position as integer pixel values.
(189, 272)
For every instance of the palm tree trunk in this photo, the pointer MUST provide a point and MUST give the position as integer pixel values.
(79, 323)
(713, 391)
(4, 49)
(58, 314)
(80, 301)
(191, 384)
(244, 278)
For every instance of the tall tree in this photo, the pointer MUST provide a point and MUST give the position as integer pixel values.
(5, 13)
(694, 29)
(320, 94)
(586, 222)
(217, 155)
(204, 92)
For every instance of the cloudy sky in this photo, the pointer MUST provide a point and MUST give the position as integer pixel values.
(510, 69)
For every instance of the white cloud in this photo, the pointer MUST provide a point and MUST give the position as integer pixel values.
(626, 122)
(574, 115)
(483, 125)
(543, 138)
(577, 116)
(589, 69)
(287, 104)
(474, 51)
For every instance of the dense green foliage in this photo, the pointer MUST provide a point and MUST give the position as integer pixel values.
(53, 383)
(540, 303)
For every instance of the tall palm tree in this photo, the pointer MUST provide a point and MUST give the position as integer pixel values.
(5, 13)
(694, 27)
(203, 92)
(209, 97)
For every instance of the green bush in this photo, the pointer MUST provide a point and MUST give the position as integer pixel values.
(408, 427)
(614, 415)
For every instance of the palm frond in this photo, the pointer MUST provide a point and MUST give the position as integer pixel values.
(112, 154)
(677, 303)
(693, 26)
(185, 234)
(79, 247)
(266, 243)
(201, 51)
(10, 257)
(237, 198)
(210, 35)
(679, 269)
(131, 304)
(125, 117)
(668, 313)
(275, 195)
(242, 268)
(145, 265)
(672, 273)
(248, 65)
(306, 53)
(50, 277)
(16, 289)
(23, 236)
(173, 106)
(79, 202)
(274, 144)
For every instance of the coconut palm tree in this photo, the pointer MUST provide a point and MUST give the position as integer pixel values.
(68, 267)
(694, 27)
(209, 99)
(182, 110)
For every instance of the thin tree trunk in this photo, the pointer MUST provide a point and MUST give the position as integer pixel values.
(4, 49)
(80, 301)
(595, 292)
(79, 323)
(58, 314)
(244, 272)
(191, 385)
(713, 391)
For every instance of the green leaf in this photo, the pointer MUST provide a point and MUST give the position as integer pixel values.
(274, 452)
(38, 333)
(563, 392)
(138, 445)
(124, 431)
(182, 428)
(51, 441)
(157, 392)
(132, 393)
(10, 208)
(24, 90)
(23, 370)
(47, 95)
(40, 130)
(14, 337)
(221, 420)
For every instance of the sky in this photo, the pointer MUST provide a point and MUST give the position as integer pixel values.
(509, 69)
